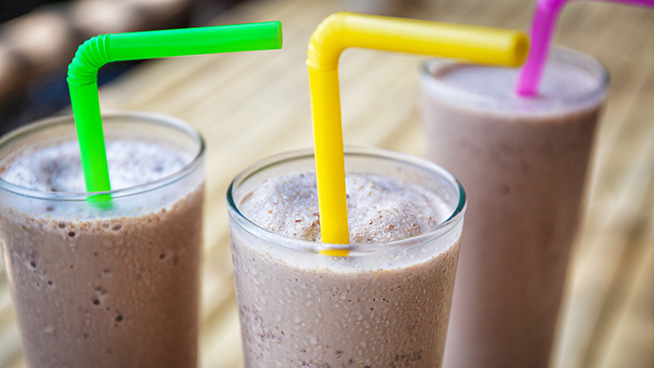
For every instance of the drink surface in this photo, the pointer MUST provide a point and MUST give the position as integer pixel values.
(380, 209)
(566, 86)
(498, 83)
(301, 309)
(523, 164)
(96, 289)
(57, 168)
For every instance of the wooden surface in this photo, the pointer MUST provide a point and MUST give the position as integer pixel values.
(252, 105)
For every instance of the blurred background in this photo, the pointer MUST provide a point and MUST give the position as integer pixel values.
(39, 37)
(252, 105)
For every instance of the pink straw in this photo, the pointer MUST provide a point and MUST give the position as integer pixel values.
(542, 29)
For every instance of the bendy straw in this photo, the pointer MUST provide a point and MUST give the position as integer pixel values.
(542, 29)
(99, 50)
(342, 30)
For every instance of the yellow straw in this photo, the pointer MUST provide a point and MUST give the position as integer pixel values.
(342, 30)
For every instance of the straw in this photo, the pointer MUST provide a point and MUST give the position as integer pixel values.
(342, 30)
(99, 50)
(542, 29)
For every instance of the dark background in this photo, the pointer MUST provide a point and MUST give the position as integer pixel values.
(40, 93)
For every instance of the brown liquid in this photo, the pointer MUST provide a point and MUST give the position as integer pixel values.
(309, 317)
(118, 293)
(524, 176)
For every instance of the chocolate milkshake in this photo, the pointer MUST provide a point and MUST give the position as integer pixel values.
(523, 163)
(387, 304)
(114, 285)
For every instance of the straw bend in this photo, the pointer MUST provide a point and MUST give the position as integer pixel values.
(327, 42)
(90, 57)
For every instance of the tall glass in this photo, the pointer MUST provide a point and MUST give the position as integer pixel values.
(386, 304)
(97, 285)
(523, 163)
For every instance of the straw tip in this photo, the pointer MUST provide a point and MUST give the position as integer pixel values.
(335, 252)
(521, 48)
(524, 91)
(280, 35)
(101, 201)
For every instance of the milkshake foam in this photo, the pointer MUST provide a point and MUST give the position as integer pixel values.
(379, 209)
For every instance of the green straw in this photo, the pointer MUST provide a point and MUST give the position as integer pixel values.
(100, 50)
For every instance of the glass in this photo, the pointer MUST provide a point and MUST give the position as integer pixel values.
(106, 286)
(523, 162)
(385, 304)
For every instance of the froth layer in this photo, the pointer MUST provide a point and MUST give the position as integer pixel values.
(57, 168)
(570, 82)
(380, 209)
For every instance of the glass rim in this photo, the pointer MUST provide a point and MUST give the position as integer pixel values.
(442, 228)
(428, 66)
(144, 117)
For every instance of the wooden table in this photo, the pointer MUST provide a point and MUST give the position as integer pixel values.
(251, 105)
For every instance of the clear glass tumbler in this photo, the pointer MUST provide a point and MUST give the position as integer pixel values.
(384, 305)
(113, 285)
(523, 162)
